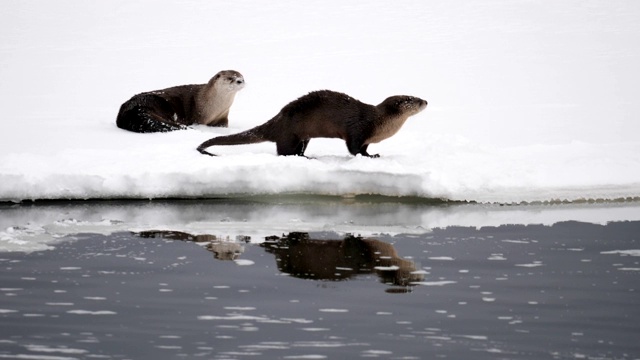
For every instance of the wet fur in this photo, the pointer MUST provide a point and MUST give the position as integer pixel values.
(176, 107)
(327, 114)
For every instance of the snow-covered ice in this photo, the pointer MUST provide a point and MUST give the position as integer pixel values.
(528, 101)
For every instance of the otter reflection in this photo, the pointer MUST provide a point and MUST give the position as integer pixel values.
(298, 255)
(222, 250)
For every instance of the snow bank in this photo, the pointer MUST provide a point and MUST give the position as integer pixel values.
(167, 165)
(527, 102)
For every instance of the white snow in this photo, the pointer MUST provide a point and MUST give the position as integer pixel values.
(528, 101)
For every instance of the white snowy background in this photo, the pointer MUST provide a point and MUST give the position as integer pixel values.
(528, 100)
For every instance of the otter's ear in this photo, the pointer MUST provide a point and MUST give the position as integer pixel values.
(216, 77)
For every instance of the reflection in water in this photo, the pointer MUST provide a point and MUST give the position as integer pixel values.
(302, 257)
(222, 250)
(333, 260)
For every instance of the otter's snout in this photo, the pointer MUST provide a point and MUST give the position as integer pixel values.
(236, 82)
(422, 104)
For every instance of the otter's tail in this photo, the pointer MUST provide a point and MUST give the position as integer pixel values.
(251, 136)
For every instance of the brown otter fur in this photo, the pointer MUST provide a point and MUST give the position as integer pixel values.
(328, 114)
(176, 107)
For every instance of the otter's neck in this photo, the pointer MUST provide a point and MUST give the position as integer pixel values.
(212, 104)
(386, 125)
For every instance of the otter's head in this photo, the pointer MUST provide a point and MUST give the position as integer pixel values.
(402, 104)
(228, 80)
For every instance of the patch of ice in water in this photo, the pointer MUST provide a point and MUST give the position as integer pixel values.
(244, 262)
(59, 304)
(474, 337)
(534, 264)
(47, 349)
(433, 283)
(234, 317)
(376, 352)
(516, 241)
(634, 252)
(298, 321)
(442, 258)
(334, 310)
(387, 268)
(88, 312)
(266, 345)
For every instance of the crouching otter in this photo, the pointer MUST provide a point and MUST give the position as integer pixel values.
(176, 107)
(328, 114)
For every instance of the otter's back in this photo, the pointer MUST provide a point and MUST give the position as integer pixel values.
(326, 113)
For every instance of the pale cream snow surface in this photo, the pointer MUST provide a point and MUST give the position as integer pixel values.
(527, 102)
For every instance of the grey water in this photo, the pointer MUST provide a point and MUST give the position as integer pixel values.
(567, 291)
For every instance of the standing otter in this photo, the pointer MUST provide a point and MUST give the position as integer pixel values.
(327, 114)
(176, 107)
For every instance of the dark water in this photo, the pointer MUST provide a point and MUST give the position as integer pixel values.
(570, 291)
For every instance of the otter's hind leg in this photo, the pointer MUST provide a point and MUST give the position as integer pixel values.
(146, 114)
(302, 146)
(292, 145)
